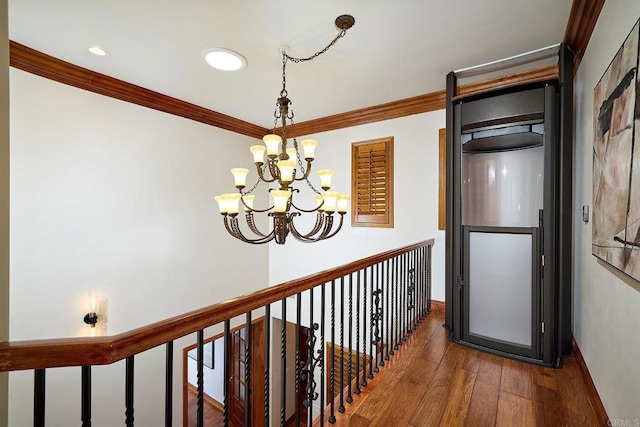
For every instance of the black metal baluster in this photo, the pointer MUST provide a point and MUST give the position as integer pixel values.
(405, 272)
(341, 407)
(168, 386)
(379, 320)
(298, 361)
(371, 323)
(364, 328)
(422, 270)
(387, 264)
(397, 294)
(39, 393)
(429, 283)
(332, 415)
(85, 414)
(406, 297)
(227, 372)
(248, 355)
(200, 377)
(322, 352)
(267, 361)
(394, 312)
(283, 364)
(412, 293)
(128, 392)
(350, 362)
(310, 357)
(357, 389)
(422, 283)
(419, 293)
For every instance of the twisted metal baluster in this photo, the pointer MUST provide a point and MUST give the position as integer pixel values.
(332, 416)
(283, 364)
(341, 407)
(357, 389)
(350, 362)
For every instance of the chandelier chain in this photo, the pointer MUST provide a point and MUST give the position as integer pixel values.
(286, 57)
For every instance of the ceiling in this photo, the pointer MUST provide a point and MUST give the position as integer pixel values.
(396, 49)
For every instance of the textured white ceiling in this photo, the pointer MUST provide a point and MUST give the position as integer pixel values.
(397, 49)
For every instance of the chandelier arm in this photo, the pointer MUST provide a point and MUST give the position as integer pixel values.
(316, 209)
(234, 229)
(262, 177)
(274, 171)
(308, 236)
(305, 172)
(337, 229)
(252, 225)
(250, 209)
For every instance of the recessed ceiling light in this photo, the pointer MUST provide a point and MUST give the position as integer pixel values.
(98, 51)
(224, 59)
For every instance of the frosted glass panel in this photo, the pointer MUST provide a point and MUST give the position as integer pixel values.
(500, 286)
(502, 189)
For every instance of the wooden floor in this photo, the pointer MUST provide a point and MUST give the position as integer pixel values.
(433, 382)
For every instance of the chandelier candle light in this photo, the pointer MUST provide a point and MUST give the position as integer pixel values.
(283, 167)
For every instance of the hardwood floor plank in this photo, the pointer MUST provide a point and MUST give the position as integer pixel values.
(454, 356)
(490, 369)
(472, 361)
(517, 378)
(395, 409)
(577, 409)
(436, 393)
(484, 405)
(460, 398)
(515, 411)
(545, 377)
(438, 343)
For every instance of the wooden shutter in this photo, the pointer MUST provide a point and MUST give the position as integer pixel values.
(372, 183)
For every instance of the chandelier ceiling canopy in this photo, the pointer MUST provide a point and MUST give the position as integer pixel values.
(282, 168)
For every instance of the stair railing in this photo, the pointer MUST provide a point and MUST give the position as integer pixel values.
(367, 309)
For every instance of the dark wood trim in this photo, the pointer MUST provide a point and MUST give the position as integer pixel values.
(21, 355)
(582, 20)
(437, 305)
(415, 105)
(38, 63)
(41, 64)
(592, 392)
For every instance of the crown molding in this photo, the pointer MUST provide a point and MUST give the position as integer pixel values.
(41, 64)
(582, 20)
(415, 105)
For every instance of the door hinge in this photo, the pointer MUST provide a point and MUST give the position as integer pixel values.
(543, 260)
(543, 327)
(460, 282)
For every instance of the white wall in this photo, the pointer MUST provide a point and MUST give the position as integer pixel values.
(606, 305)
(4, 197)
(416, 200)
(116, 199)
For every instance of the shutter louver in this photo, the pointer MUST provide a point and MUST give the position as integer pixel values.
(372, 183)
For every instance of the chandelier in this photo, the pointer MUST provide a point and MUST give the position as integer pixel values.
(284, 167)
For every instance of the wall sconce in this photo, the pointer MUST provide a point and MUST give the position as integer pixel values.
(91, 319)
(96, 318)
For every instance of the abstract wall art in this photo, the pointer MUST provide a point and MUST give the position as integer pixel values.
(616, 161)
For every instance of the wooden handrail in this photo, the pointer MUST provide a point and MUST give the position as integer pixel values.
(39, 354)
